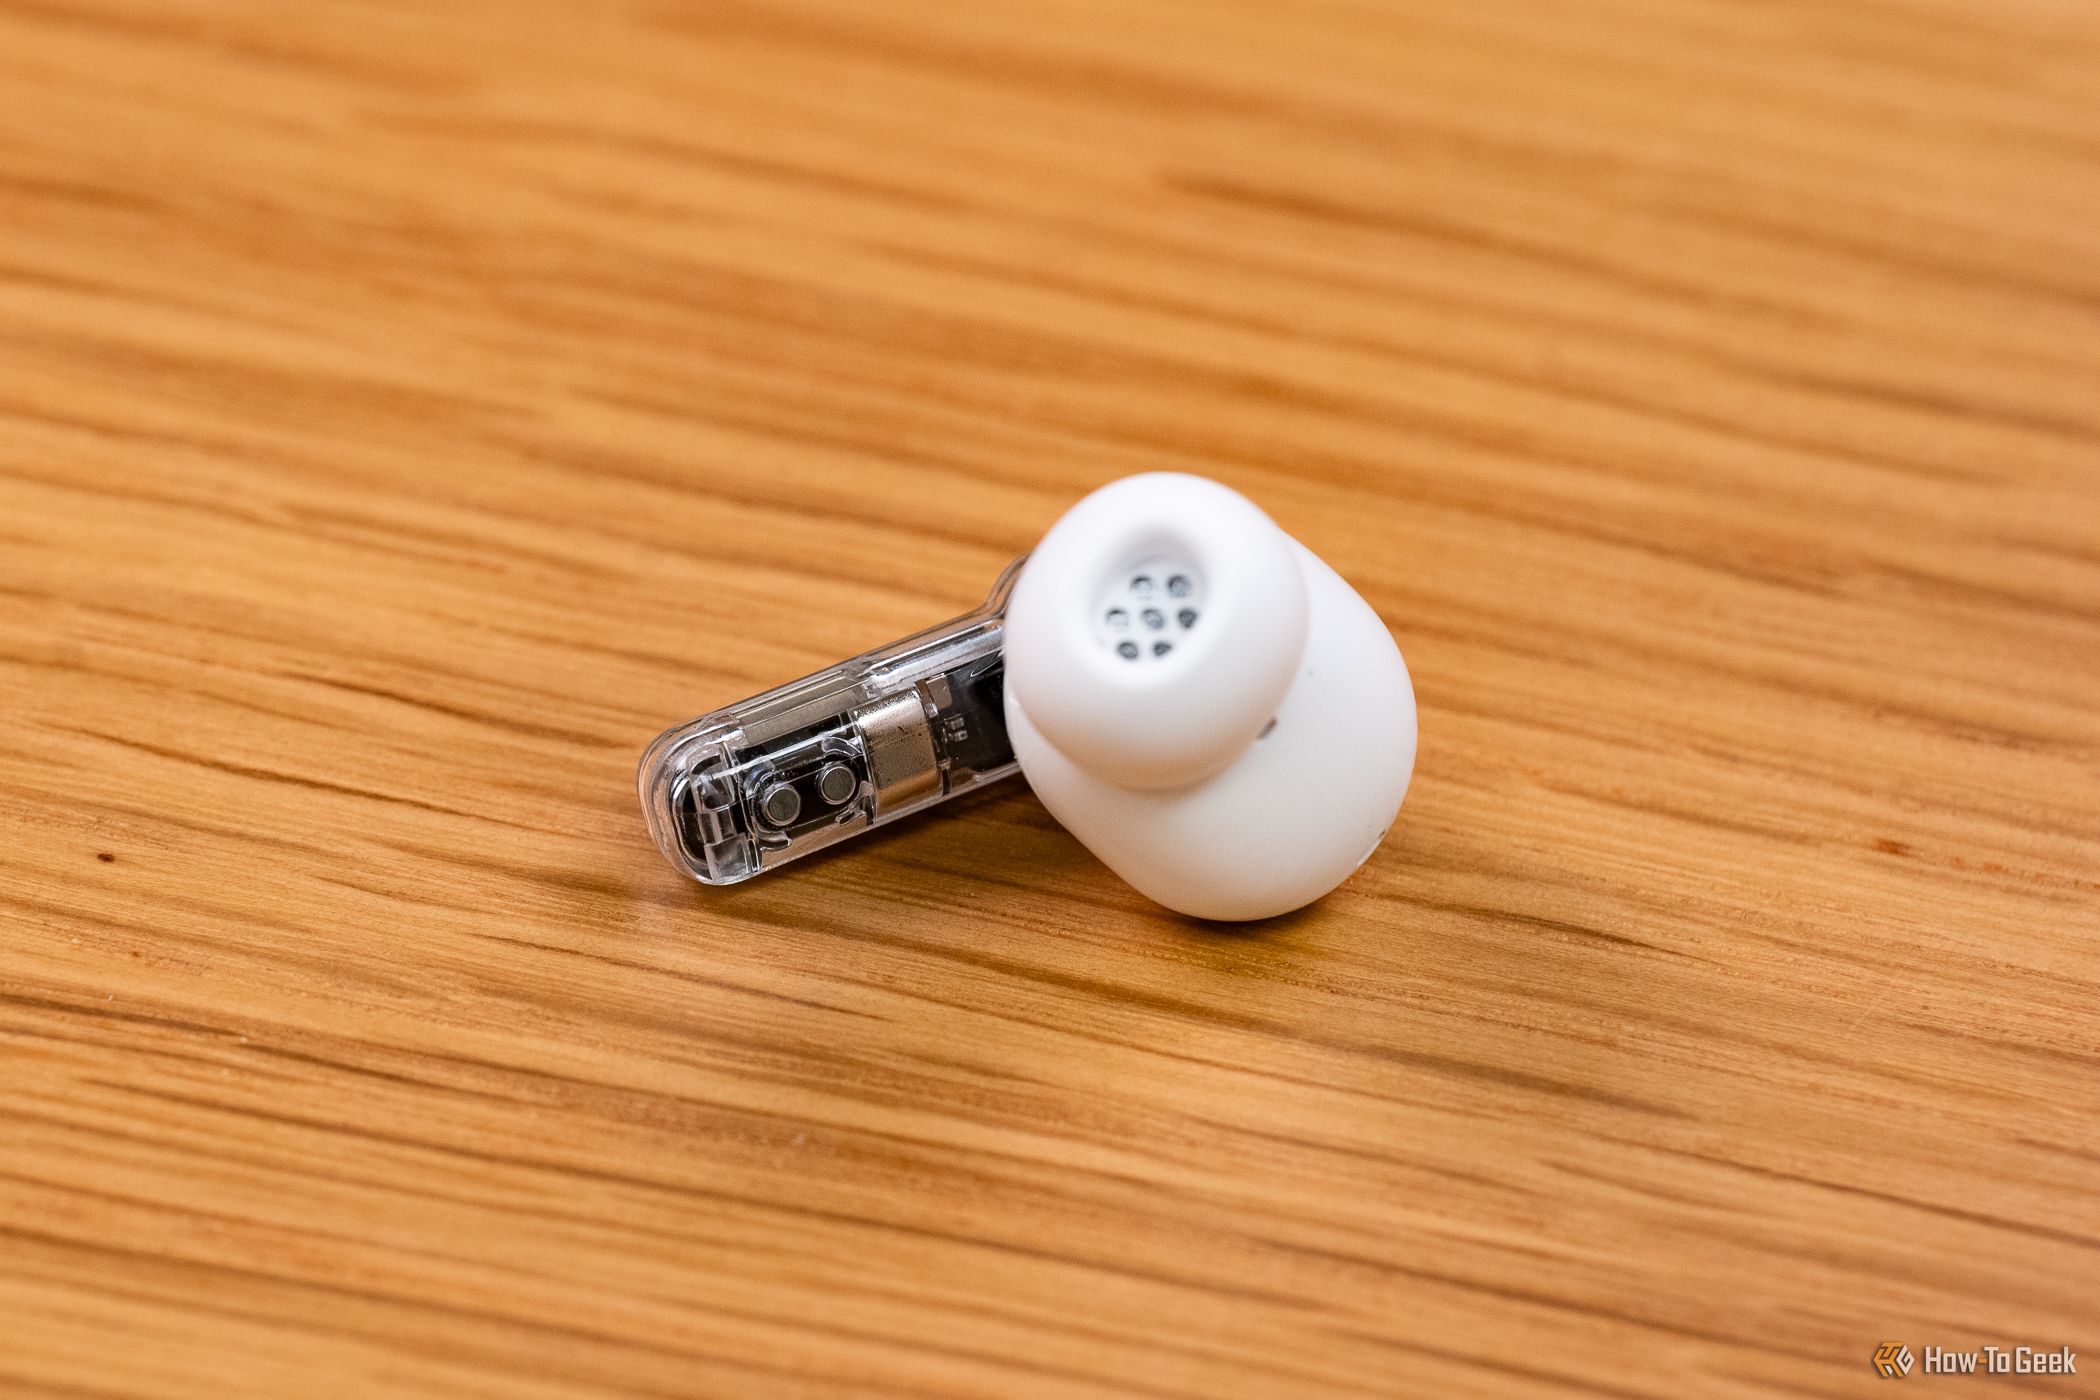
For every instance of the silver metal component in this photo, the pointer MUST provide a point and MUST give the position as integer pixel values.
(780, 804)
(903, 769)
(836, 783)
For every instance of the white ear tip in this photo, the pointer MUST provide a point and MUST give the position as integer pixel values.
(1173, 775)
(1155, 628)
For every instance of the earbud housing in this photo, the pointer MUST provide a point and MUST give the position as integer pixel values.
(1234, 758)
(1200, 700)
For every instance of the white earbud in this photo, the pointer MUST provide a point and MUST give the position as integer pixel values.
(1199, 699)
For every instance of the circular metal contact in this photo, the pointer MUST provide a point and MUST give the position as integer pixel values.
(837, 783)
(780, 804)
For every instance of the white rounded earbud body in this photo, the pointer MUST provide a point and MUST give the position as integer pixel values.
(1200, 700)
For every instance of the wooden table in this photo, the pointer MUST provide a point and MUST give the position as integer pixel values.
(408, 409)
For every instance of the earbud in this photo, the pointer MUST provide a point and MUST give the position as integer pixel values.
(1199, 699)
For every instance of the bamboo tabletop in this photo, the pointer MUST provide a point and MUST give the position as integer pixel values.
(407, 410)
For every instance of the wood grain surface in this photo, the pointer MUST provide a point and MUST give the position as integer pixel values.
(408, 409)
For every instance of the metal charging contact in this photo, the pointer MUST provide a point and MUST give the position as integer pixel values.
(836, 784)
(897, 737)
(780, 800)
(780, 804)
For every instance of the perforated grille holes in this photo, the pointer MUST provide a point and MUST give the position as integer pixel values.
(1144, 614)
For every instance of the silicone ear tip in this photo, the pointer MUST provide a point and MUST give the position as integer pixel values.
(1257, 808)
(1154, 629)
(1299, 810)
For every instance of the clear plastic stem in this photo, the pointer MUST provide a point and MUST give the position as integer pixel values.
(756, 784)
